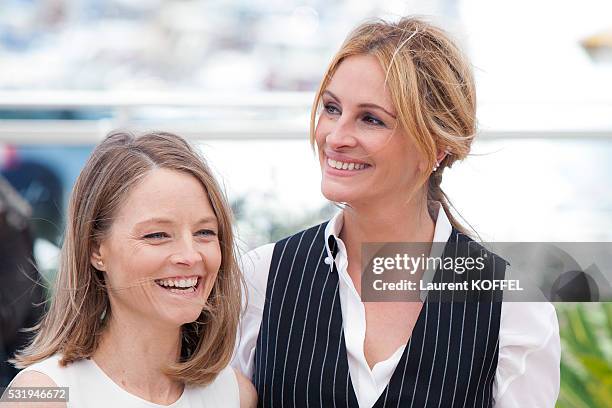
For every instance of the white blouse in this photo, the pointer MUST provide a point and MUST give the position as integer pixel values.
(527, 373)
(90, 387)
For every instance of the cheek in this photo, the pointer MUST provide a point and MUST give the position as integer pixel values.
(405, 170)
(212, 258)
(322, 129)
(394, 164)
(135, 269)
(212, 263)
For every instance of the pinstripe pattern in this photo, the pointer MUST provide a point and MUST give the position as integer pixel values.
(435, 351)
(308, 377)
(486, 347)
(325, 354)
(269, 310)
(449, 360)
(426, 306)
(448, 343)
(279, 323)
(294, 307)
(402, 381)
(302, 337)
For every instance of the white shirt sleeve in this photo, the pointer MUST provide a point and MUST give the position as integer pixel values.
(255, 268)
(528, 368)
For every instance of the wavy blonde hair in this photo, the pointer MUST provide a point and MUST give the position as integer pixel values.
(431, 86)
(72, 325)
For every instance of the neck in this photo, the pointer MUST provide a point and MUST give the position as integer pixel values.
(384, 222)
(134, 356)
(388, 221)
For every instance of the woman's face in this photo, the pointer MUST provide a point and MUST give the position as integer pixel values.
(162, 253)
(365, 158)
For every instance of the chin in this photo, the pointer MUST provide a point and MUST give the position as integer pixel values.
(338, 194)
(177, 318)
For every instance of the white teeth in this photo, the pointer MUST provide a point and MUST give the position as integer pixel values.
(189, 290)
(345, 165)
(179, 283)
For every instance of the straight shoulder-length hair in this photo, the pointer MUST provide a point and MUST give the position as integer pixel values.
(72, 325)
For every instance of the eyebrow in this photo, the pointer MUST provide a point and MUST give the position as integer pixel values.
(160, 220)
(363, 105)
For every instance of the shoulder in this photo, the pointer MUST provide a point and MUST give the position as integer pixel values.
(248, 394)
(229, 389)
(308, 234)
(473, 249)
(301, 242)
(530, 324)
(50, 367)
(529, 354)
(256, 262)
(258, 257)
(255, 266)
(33, 378)
(264, 251)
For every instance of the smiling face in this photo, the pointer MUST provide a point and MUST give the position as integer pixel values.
(365, 158)
(162, 254)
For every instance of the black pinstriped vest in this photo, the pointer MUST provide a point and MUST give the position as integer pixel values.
(300, 356)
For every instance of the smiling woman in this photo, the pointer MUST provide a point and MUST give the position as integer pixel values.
(147, 297)
(395, 108)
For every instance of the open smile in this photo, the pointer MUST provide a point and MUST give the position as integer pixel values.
(345, 165)
(180, 285)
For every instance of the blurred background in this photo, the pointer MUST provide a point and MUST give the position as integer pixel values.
(237, 78)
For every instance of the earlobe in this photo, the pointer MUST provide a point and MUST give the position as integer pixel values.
(97, 263)
(96, 259)
(445, 153)
(441, 156)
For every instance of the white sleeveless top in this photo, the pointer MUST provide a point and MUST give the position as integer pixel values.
(89, 387)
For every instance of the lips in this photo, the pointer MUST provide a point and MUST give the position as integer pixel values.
(180, 285)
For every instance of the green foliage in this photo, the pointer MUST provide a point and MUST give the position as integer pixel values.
(586, 357)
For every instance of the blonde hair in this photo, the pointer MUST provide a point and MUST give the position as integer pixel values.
(431, 86)
(72, 326)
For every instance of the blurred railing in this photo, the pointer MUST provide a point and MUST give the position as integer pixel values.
(263, 115)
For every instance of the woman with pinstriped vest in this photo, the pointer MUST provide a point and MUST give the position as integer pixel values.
(396, 107)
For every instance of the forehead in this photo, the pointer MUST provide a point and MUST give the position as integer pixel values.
(165, 193)
(360, 79)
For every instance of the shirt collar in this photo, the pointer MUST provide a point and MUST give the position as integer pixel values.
(442, 231)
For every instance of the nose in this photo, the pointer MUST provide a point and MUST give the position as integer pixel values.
(186, 255)
(342, 134)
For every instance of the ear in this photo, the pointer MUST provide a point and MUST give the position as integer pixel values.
(442, 155)
(96, 259)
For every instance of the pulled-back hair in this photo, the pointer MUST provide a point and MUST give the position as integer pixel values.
(431, 86)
